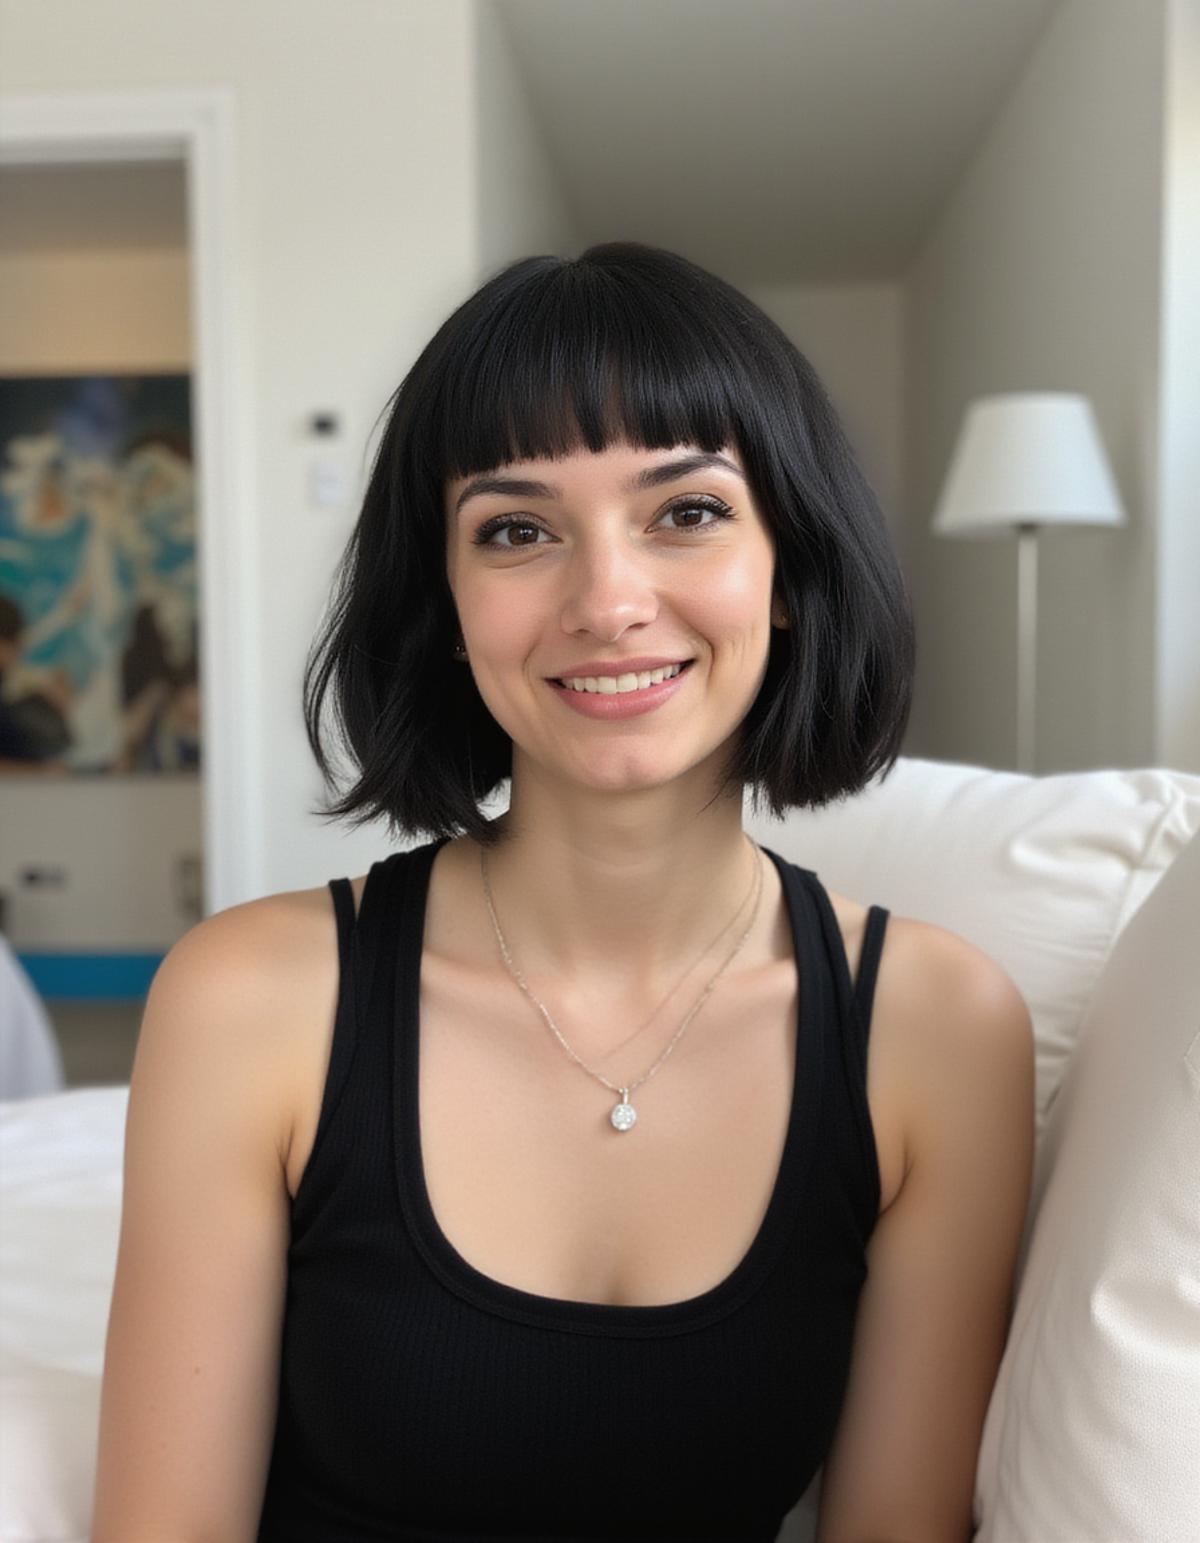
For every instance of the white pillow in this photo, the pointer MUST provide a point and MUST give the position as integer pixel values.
(1041, 873)
(1093, 1430)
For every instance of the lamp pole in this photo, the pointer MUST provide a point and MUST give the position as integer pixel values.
(1023, 460)
(1026, 642)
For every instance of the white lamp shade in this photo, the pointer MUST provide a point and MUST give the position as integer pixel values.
(1027, 458)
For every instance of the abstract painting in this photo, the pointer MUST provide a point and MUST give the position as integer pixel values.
(98, 585)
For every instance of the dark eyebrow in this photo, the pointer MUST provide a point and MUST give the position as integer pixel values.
(653, 476)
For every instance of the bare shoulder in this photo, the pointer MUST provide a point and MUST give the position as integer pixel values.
(945, 1015)
(269, 968)
(967, 1038)
(965, 1003)
(268, 942)
(921, 961)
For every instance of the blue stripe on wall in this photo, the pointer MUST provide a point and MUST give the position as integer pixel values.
(91, 977)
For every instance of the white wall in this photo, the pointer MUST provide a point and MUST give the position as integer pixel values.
(1043, 273)
(1177, 638)
(356, 230)
(853, 336)
(524, 205)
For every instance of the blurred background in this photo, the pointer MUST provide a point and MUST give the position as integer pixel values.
(226, 230)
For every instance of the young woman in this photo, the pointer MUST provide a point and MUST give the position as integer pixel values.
(588, 1171)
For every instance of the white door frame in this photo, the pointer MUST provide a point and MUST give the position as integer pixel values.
(196, 127)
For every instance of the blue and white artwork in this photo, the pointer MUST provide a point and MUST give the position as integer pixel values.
(98, 596)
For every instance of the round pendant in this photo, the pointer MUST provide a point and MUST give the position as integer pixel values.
(624, 1115)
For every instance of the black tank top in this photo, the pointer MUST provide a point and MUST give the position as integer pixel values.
(421, 1399)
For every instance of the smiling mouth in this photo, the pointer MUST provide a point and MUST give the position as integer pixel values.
(684, 666)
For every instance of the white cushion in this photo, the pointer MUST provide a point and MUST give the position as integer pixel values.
(60, 1212)
(1041, 873)
(1093, 1429)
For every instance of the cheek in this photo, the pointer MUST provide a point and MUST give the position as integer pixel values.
(731, 597)
(500, 629)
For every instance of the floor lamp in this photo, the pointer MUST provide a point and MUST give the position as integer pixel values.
(1024, 460)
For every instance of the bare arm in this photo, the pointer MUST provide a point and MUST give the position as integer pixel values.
(935, 1308)
(188, 1400)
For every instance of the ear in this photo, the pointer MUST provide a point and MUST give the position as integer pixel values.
(779, 613)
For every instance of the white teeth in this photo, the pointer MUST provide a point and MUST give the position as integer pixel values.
(612, 685)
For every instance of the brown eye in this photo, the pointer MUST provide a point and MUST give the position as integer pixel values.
(489, 528)
(714, 506)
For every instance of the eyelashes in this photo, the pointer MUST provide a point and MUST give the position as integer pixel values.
(484, 536)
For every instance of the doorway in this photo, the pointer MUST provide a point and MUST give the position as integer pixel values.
(121, 832)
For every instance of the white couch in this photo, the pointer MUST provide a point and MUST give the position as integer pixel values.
(1093, 1430)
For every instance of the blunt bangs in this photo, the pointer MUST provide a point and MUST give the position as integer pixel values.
(575, 355)
(626, 343)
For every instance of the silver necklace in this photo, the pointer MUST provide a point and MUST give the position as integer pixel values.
(623, 1114)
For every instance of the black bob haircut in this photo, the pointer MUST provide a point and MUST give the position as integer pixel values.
(626, 342)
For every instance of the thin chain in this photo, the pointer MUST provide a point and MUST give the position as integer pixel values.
(625, 1091)
(707, 949)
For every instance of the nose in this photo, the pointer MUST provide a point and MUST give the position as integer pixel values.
(607, 588)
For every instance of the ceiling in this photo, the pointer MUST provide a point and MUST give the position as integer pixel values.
(774, 140)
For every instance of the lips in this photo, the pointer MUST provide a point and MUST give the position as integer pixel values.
(612, 706)
(561, 680)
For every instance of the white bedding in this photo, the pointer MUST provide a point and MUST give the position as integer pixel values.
(60, 1214)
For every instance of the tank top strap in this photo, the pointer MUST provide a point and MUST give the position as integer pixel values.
(868, 969)
(343, 905)
(357, 947)
(375, 932)
(850, 1018)
(854, 997)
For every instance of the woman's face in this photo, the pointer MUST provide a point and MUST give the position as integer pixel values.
(588, 565)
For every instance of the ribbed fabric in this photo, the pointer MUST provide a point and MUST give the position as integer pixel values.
(421, 1399)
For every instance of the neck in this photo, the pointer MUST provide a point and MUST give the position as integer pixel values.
(621, 901)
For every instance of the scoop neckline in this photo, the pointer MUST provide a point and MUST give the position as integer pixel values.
(566, 1313)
